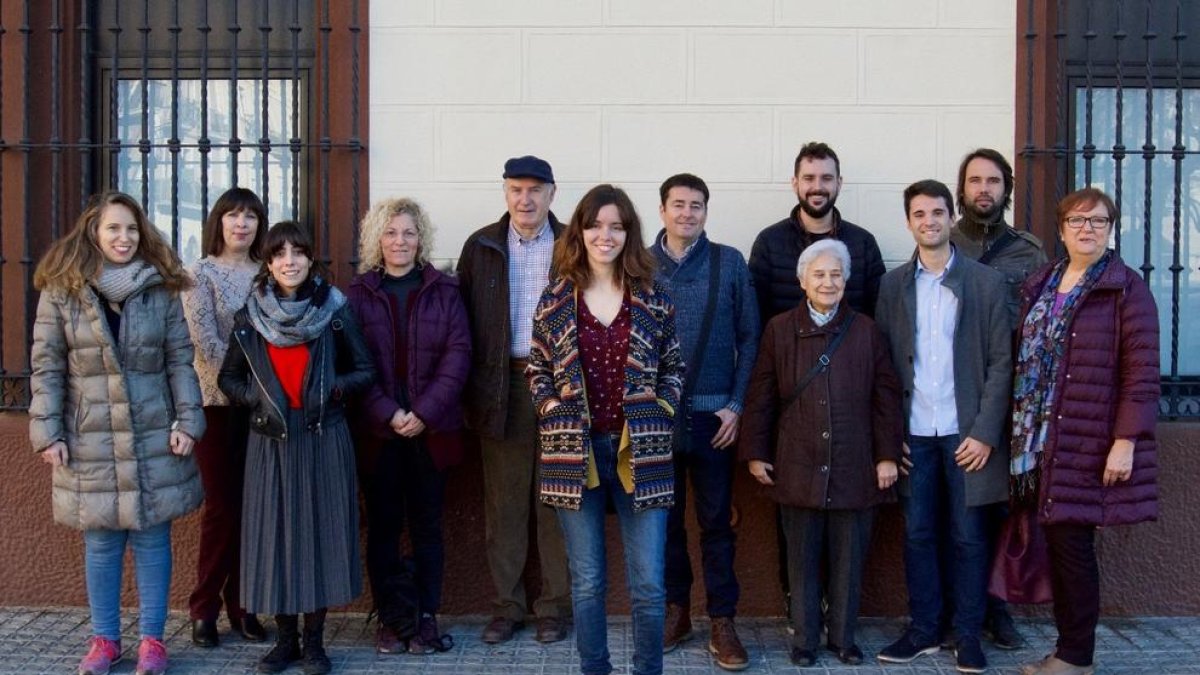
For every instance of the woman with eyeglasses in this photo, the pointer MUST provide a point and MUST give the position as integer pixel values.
(1085, 404)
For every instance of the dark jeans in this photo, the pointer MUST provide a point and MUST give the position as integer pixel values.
(994, 516)
(1075, 582)
(401, 486)
(711, 472)
(935, 479)
(221, 457)
(844, 536)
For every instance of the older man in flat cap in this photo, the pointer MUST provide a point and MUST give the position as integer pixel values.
(502, 271)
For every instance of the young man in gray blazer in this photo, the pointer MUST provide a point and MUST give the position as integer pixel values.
(946, 319)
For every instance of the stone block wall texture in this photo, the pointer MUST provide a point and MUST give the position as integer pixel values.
(1148, 569)
(630, 92)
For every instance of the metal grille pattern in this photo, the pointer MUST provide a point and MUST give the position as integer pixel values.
(103, 92)
(1111, 99)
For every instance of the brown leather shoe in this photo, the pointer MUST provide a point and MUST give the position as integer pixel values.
(387, 642)
(678, 626)
(725, 646)
(500, 629)
(550, 629)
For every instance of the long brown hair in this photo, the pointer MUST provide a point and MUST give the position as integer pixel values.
(635, 264)
(75, 259)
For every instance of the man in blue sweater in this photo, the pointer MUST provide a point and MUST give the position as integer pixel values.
(717, 320)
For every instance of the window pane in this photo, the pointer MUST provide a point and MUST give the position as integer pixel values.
(280, 164)
(1161, 221)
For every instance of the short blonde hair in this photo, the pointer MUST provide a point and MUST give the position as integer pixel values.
(370, 253)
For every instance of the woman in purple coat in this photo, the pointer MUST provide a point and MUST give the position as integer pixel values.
(409, 421)
(1085, 405)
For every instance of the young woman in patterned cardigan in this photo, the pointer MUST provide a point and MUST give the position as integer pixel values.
(605, 372)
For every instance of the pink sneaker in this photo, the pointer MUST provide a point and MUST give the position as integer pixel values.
(102, 654)
(152, 657)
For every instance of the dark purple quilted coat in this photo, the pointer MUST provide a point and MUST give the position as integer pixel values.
(1108, 389)
(439, 357)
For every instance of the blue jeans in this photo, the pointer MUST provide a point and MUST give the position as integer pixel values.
(643, 535)
(937, 482)
(711, 471)
(104, 552)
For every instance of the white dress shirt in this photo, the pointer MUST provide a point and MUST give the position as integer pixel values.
(933, 410)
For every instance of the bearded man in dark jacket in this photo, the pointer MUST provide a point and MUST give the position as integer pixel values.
(817, 180)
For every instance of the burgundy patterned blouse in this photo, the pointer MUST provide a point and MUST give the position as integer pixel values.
(603, 350)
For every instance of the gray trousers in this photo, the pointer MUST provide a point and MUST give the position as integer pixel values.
(842, 538)
(510, 496)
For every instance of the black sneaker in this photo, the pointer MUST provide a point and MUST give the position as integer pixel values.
(1002, 631)
(948, 639)
(968, 656)
(908, 647)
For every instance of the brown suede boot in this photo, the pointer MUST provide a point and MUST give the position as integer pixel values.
(678, 626)
(725, 646)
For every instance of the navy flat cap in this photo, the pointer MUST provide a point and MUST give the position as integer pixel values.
(529, 167)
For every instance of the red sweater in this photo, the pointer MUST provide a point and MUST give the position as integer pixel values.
(289, 364)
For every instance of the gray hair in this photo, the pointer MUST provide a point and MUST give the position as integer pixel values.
(820, 248)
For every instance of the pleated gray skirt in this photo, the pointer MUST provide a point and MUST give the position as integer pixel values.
(300, 521)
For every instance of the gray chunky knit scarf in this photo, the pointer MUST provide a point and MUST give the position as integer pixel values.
(286, 322)
(117, 282)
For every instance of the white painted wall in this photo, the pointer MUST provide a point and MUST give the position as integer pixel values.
(631, 91)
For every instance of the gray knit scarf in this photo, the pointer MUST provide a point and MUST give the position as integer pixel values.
(117, 282)
(286, 322)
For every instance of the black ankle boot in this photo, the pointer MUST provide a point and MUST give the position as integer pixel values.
(314, 661)
(286, 650)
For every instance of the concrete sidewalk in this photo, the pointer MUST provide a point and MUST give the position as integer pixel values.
(51, 640)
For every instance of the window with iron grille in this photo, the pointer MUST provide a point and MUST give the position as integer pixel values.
(1109, 97)
(173, 101)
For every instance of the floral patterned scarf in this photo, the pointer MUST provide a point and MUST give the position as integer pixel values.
(1038, 357)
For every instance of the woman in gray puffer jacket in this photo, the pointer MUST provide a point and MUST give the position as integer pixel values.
(116, 410)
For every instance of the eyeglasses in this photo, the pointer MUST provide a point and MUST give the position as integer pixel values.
(1097, 222)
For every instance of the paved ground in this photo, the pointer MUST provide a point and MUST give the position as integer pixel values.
(52, 640)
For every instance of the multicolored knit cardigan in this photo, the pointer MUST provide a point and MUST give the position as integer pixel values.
(653, 373)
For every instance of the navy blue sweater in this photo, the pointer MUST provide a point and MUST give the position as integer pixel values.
(724, 363)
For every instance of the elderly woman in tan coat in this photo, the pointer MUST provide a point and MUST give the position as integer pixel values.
(116, 410)
(822, 431)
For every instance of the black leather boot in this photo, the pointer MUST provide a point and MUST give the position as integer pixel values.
(314, 661)
(286, 650)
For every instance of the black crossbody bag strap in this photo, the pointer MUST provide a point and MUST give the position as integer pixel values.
(821, 365)
(710, 311)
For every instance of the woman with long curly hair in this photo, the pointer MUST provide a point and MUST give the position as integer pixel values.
(116, 411)
(415, 323)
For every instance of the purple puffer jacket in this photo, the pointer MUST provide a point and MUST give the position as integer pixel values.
(439, 357)
(1107, 389)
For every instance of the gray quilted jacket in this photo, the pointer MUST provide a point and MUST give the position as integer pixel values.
(114, 403)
